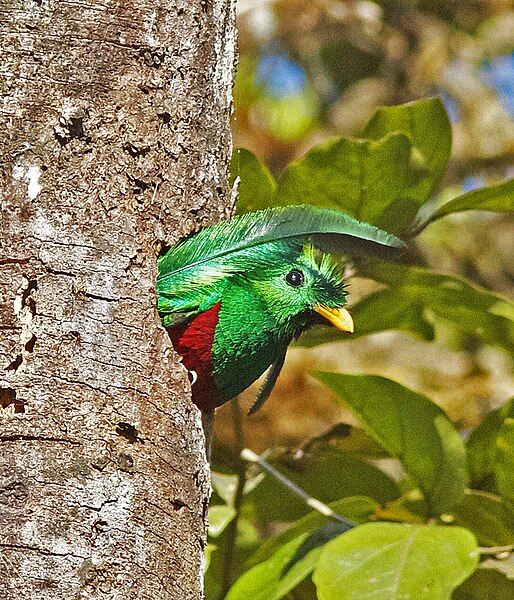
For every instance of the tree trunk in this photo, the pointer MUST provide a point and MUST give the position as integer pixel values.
(114, 141)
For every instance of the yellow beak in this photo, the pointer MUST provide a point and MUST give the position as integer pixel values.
(339, 317)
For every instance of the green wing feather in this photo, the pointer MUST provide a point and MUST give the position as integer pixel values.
(192, 271)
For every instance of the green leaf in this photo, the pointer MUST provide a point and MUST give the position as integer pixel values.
(411, 507)
(268, 581)
(426, 124)
(487, 517)
(247, 540)
(485, 584)
(413, 429)
(495, 198)
(348, 439)
(355, 508)
(381, 311)
(382, 180)
(257, 185)
(219, 517)
(210, 549)
(481, 444)
(385, 561)
(504, 464)
(246, 92)
(317, 538)
(364, 178)
(327, 476)
(385, 310)
(224, 485)
(466, 306)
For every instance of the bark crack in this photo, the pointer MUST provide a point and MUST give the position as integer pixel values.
(43, 551)
(38, 438)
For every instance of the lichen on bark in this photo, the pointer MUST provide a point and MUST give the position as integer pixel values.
(114, 137)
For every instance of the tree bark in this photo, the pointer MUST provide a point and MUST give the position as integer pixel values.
(114, 142)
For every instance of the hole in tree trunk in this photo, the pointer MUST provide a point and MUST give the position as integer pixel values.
(128, 431)
(8, 398)
(29, 346)
(15, 363)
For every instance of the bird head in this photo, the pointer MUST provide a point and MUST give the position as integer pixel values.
(300, 286)
(235, 294)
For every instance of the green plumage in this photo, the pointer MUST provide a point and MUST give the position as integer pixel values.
(192, 269)
(241, 267)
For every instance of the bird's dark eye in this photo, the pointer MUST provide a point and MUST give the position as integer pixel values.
(294, 278)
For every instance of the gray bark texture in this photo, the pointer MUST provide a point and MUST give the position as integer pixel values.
(114, 141)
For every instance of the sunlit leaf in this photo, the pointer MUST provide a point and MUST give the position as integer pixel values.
(495, 198)
(291, 117)
(224, 485)
(208, 552)
(268, 580)
(426, 124)
(386, 561)
(413, 429)
(219, 517)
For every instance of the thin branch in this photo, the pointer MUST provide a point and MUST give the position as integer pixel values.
(238, 499)
(506, 550)
(322, 508)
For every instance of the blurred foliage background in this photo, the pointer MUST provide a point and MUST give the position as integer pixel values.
(312, 69)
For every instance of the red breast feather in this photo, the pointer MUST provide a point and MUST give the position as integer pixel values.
(193, 341)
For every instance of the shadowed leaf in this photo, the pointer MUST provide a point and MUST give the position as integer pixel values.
(487, 517)
(384, 310)
(413, 429)
(504, 461)
(481, 444)
(465, 306)
(361, 177)
(327, 476)
(485, 584)
(257, 185)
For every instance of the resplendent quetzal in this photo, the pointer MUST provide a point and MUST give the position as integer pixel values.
(234, 295)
